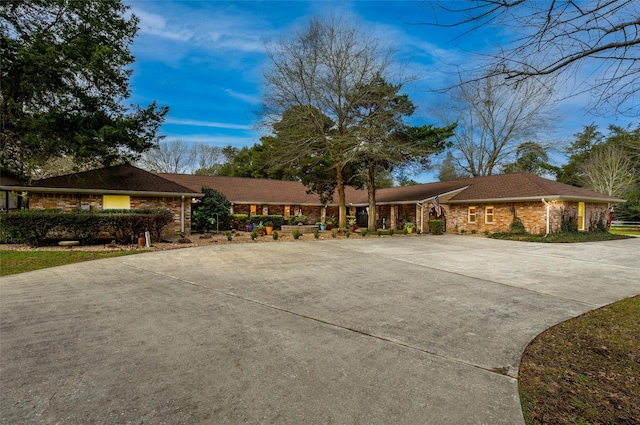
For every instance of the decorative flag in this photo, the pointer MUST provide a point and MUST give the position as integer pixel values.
(436, 206)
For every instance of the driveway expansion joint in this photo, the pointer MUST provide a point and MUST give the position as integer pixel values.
(501, 371)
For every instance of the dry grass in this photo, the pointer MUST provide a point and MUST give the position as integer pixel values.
(585, 370)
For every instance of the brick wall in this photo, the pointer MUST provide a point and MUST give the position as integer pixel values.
(532, 214)
(68, 202)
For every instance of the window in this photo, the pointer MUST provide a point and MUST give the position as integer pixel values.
(488, 215)
(472, 215)
(253, 209)
(116, 202)
(581, 226)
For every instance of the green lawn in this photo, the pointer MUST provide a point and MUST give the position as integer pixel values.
(585, 370)
(625, 232)
(560, 237)
(12, 262)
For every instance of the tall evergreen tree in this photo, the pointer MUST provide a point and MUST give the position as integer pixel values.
(65, 77)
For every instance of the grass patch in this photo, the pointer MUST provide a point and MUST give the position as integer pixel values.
(630, 232)
(13, 262)
(585, 370)
(560, 237)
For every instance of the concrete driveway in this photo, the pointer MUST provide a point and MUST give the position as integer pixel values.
(418, 330)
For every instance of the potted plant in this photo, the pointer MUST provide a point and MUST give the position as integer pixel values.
(352, 224)
(248, 225)
(330, 222)
(321, 225)
(261, 229)
(409, 226)
(269, 227)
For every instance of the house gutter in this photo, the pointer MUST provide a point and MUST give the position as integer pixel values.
(548, 218)
(182, 216)
(70, 190)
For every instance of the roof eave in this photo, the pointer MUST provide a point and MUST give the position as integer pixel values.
(35, 189)
(539, 198)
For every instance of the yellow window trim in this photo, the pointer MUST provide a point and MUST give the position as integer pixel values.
(472, 217)
(489, 218)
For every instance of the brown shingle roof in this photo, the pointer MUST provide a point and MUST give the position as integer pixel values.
(257, 191)
(505, 187)
(523, 185)
(125, 178)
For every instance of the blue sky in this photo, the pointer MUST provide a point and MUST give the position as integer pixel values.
(204, 59)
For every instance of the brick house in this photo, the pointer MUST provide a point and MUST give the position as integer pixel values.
(478, 204)
(266, 197)
(491, 203)
(481, 204)
(118, 187)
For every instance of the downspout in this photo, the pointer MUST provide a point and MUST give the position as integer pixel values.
(548, 218)
(182, 216)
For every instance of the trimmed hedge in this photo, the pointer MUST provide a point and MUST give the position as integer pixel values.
(35, 226)
(436, 226)
(277, 220)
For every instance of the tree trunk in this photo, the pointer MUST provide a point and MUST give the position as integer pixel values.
(371, 188)
(342, 203)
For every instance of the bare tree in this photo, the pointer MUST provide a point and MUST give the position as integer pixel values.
(493, 119)
(609, 170)
(170, 157)
(210, 160)
(319, 73)
(593, 43)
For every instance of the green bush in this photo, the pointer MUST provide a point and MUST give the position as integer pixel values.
(316, 233)
(297, 219)
(212, 212)
(277, 220)
(254, 234)
(517, 227)
(363, 232)
(275, 235)
(296, 233)
(334, 233)
(36, 226)
(229, 235)
(237, 221)
(392, 231)
(436, 226)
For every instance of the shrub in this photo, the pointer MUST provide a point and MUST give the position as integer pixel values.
(297, 219)
(237, 221)
(474, 231)
(276, 220)
(316, 233)
(275, 235)
(212, 211)
(296, 233)
(392, 231)
(517, 227)
(436, 226)
(254, 234)
(486, 233)
(229, 235)
(35, 226)
(380, 233)
(334, 233)
(363, 232)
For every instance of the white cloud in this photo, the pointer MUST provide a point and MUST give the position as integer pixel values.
(218, 140)
(212, 124)
(242, 96)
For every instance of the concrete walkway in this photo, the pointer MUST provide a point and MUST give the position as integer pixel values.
(418, 330)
